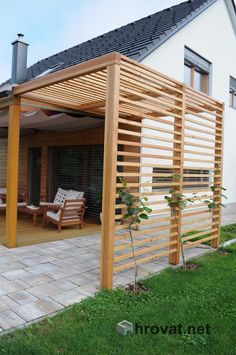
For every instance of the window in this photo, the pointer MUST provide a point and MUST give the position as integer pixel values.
(232, 93)
(197, 71)
(202, 181)
(165, 176)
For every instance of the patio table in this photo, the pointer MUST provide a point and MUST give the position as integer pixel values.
(32, 211)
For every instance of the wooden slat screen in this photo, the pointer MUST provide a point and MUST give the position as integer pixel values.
(164, 126)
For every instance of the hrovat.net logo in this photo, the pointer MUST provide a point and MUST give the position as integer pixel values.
(125, 327)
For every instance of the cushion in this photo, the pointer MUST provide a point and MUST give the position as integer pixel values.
(53, 215)
(74, 195)
(60, 196)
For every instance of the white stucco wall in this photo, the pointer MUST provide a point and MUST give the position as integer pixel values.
(211, 35)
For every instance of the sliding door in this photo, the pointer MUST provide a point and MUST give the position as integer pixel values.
(34, 179)
(78, 168)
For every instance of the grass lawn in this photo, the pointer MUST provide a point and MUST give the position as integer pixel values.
(228, 232)
(204, 296)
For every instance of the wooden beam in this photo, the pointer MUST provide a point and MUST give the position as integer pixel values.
(109, 175)
(5, 102)
(74, 71)
(12, 173)
(174, 258)
(97, 104)
(218, 181)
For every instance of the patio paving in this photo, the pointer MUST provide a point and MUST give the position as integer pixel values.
(39, 280)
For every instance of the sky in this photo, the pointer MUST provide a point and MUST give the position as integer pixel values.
(50, 26)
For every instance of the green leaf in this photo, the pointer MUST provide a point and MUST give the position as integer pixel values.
(126, 216)
(212, 205)
(223, 188)
(133, 211)
(147, 209)
(143, 216)
(176, 176)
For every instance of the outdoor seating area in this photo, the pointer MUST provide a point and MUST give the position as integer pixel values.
(30, 234)
(66, 210)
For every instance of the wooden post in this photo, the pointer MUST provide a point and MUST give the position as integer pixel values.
(12, 172)
(218, 180)
(109, 175)
(174, 258)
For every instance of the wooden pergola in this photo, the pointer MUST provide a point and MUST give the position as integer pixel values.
(152, 123)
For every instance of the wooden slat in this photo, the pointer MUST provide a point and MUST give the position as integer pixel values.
(144, 251)
(151, 116)
(144, 260)
(146, 145)
(147, 165)
(206, 118)
(143, 231)
(146, 135)
(208, 225)
(149, 107)
(193, 244)
(138, 243)
(200, 234)
(143, 155)
(148, 126)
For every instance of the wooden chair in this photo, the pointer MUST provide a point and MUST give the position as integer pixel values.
(71, 213)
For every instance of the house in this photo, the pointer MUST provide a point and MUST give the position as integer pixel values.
(63, 100)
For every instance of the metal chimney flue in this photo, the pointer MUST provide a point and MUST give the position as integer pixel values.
(19, 60)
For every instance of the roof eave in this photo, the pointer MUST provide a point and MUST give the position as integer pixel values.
(5, 93)
(176, 29)
(231, 7)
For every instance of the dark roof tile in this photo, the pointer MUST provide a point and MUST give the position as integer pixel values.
(135, 40)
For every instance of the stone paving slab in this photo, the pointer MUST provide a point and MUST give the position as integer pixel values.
(37, 309)
(39, 280)
(9, 319)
